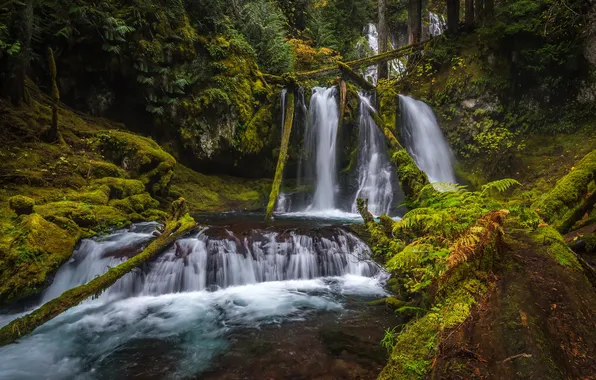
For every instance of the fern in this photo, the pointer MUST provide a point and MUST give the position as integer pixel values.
(487, 230)
(500, 185)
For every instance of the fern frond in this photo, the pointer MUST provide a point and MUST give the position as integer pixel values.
(500, 185)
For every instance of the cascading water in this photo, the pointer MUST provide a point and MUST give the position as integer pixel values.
(374, 169)
(321, 138)
(425, 141)
(172, 317)
(396, 67)
(437, 24)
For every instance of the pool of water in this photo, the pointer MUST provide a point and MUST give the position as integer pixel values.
(285, 302)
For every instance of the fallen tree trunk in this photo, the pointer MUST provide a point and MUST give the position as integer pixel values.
(567, 202)
(289, 79)
(283, 155)
(358, 79)
(175, 228)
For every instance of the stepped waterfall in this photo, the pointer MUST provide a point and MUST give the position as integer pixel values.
(173, 316)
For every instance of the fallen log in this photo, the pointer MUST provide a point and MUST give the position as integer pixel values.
(283, 155)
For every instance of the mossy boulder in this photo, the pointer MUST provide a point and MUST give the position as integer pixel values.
(80, 213)
(37, 249)
(100, 169)
(99, 196)
(141, 157)
(135, 203)
(21, 204)
(121, 188)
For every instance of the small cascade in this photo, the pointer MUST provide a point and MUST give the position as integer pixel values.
(215, 261)
(425, 141)
(437, 24)
(321, 139)
(94, 257)
(284, 203)
(374, 169)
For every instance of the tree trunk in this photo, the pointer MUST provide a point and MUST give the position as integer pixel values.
(414, 21)
(383, 68)
(22, 26)
(452, 17)
(53, 135)
(283, 155)
(479, 11)
(489, 9)
(174, 229)
(469, 13)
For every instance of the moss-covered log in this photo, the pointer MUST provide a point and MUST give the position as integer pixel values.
(355, 64)
(283, 155)
(568, 201)
(173, 230)
(343, 94)
(358, 79)
(411, 178)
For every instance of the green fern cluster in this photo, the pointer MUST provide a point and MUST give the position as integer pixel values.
(446, 225)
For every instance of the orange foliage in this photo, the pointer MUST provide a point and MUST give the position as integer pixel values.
(309, 57)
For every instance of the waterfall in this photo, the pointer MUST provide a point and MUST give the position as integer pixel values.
(372, 37)
(374, 169)
(173, 315)
(425, 141)
(396, 67)
(321, 139)
(437, 24)
(207, 261)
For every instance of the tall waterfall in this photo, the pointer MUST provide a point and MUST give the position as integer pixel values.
(374, 169)
(321, 138)
(425, 141)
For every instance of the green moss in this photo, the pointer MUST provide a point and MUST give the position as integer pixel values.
(121, 188)
(563, 205)
(21, 204)
(141, 157)
(218, 193)
(38, 247)
(135, 203)
(417, 342)
(411, 178)
(99, 196)
(556, 246)
(391, 302)
(100, 169)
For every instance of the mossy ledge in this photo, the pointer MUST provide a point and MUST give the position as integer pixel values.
(173, 230)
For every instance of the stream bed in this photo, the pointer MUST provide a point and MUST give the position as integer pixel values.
(236, 300)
